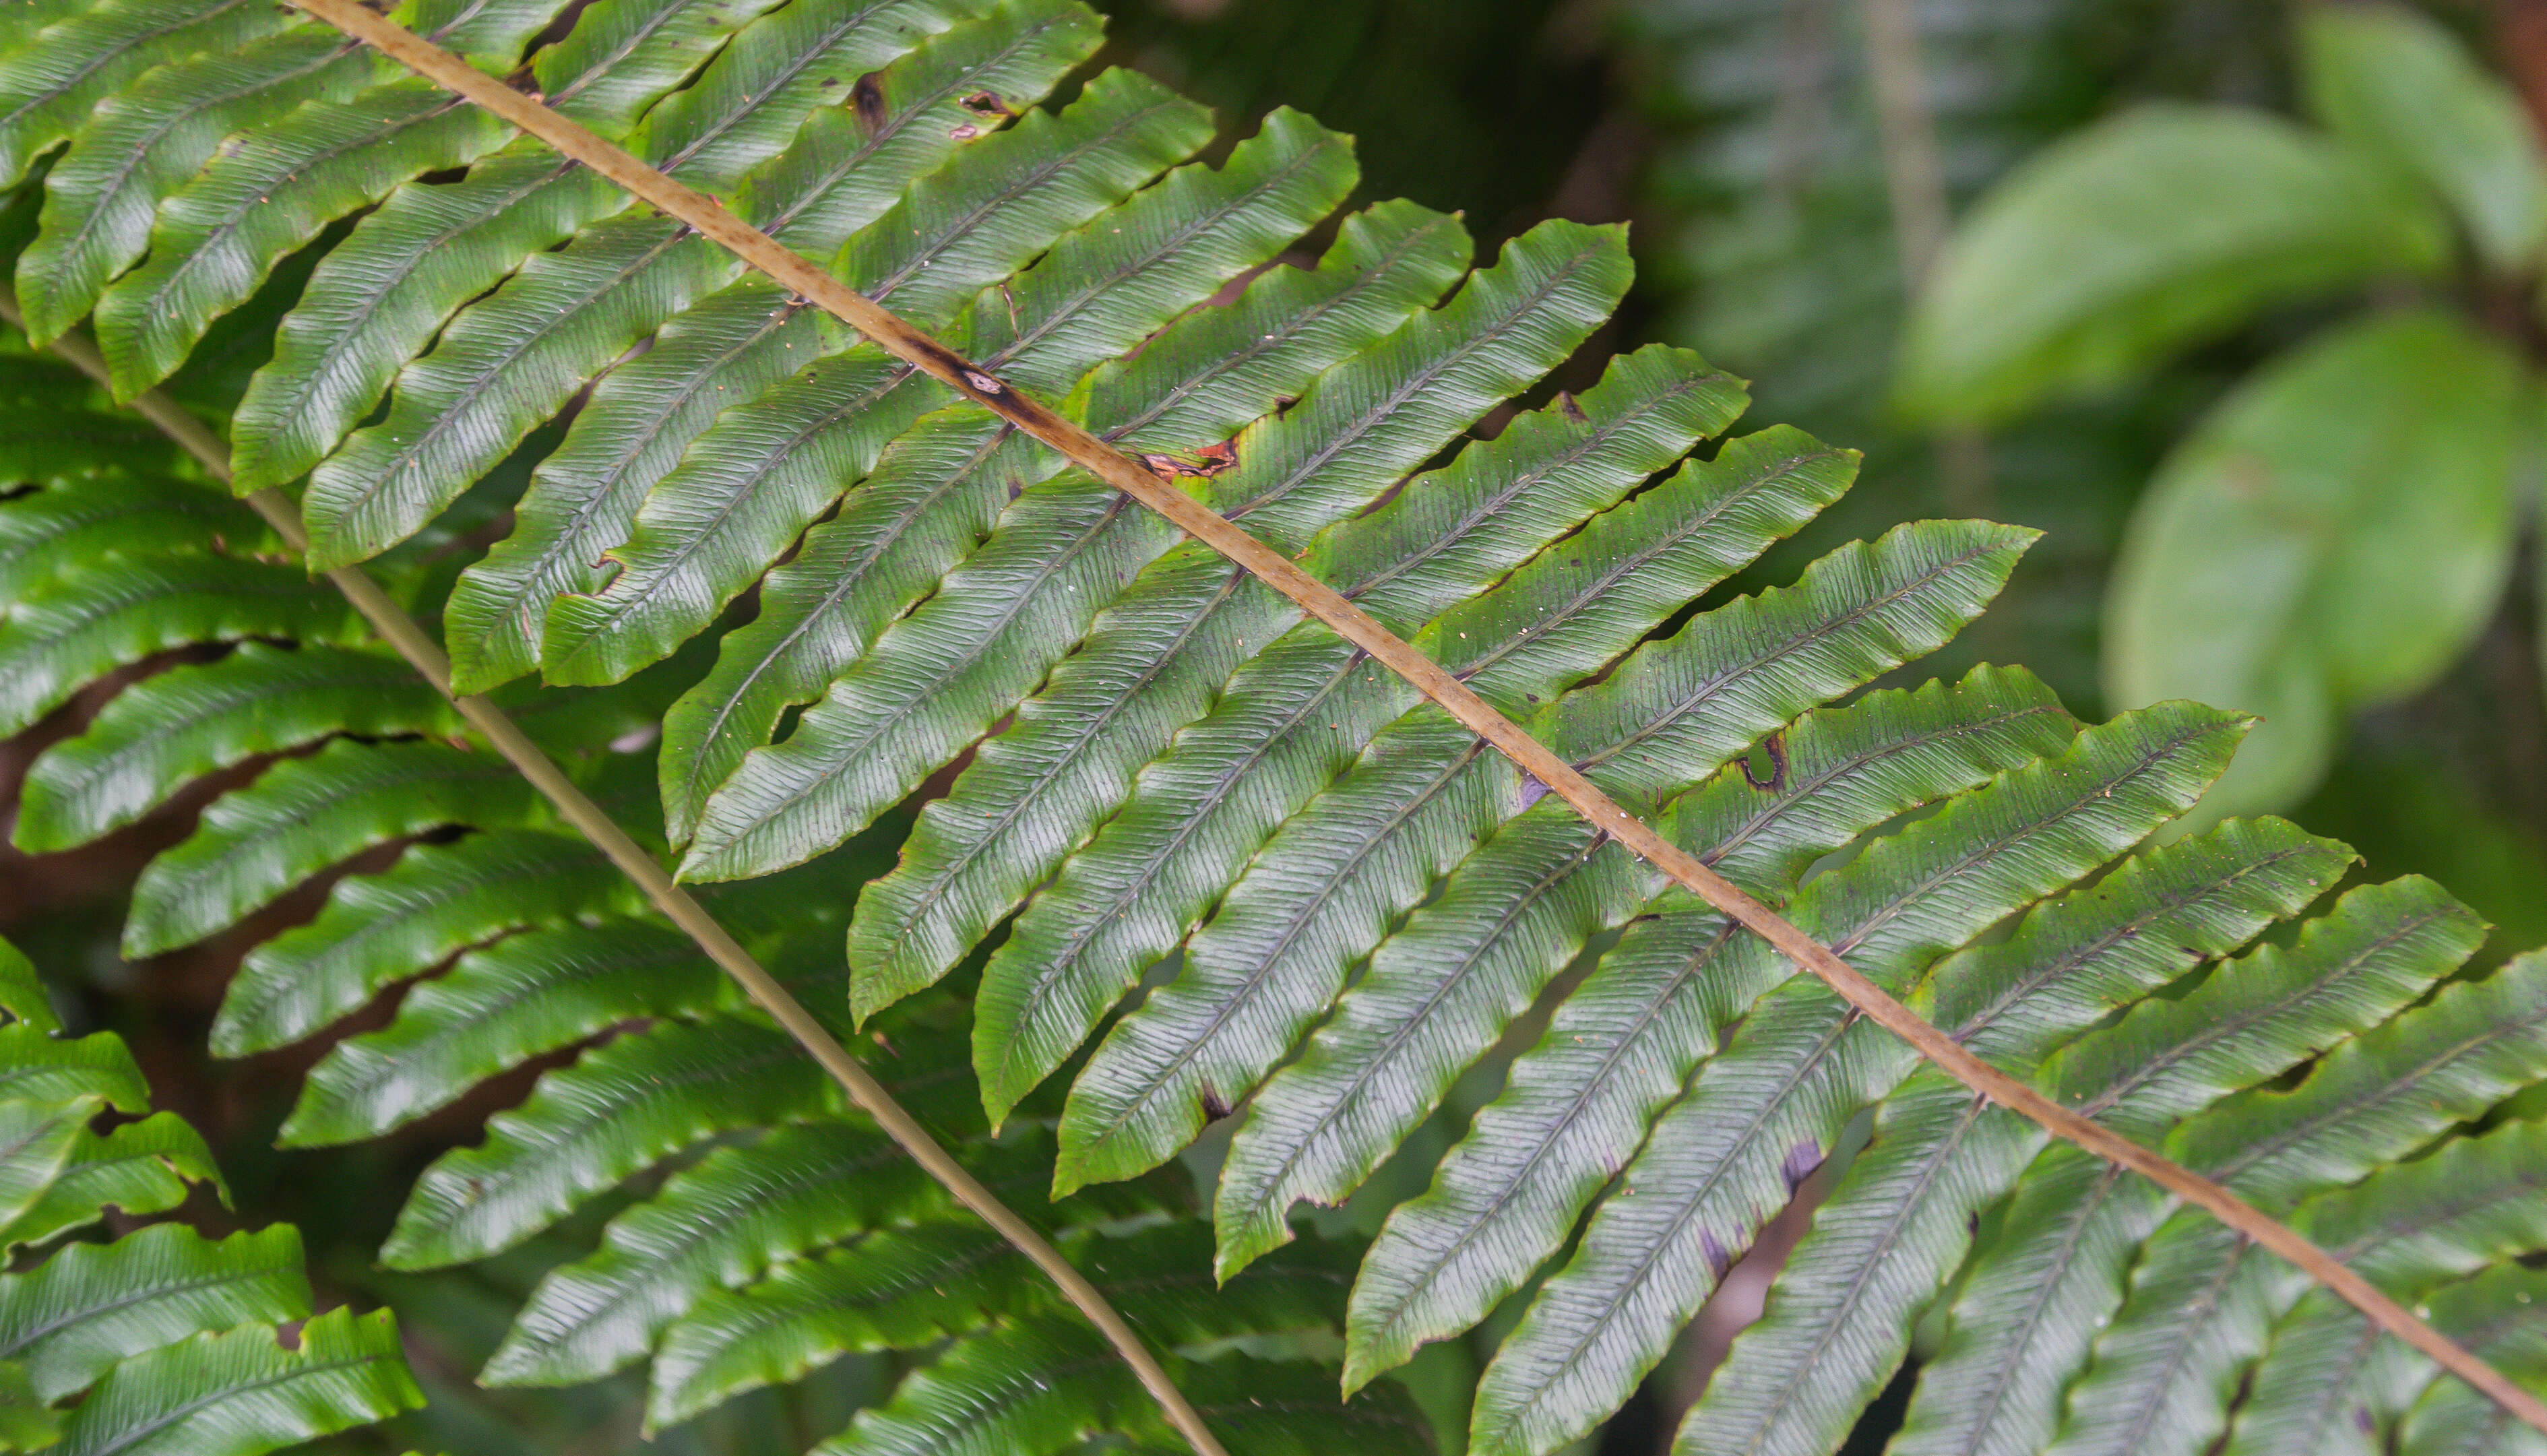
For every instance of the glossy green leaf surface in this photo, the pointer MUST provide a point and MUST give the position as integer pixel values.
(2402, 87)
(155, 1337)
(2134, 239)
(2332, 536)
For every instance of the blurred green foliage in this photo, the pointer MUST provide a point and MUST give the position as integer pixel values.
(1768, 241)
(2238, 303)
(2338, 531)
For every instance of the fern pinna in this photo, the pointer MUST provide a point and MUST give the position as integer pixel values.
(171, 1341)
(759, 580)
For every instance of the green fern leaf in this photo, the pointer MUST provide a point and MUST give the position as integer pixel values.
(1154, 663)
(1035, 1382)
(73, 1318)
(1319, 894)
(497, 1008)
(620, 1109)
(301, 815)
(218, 237)
(892, 1290)
(1294, 718)
(38, 1066)
(141, 1167)
(1283, 1407)
(1133, 763)
(943, 485)
(428, 251)
(35, 1141)
(245, 1391)
(101, 198)
(2327, 1381)
(510, 361)
(2490, 1315)
(48, 533)
(722, 1221)
(997, 622)
(170, 1341)
(1035, 1387)
(1095, 294)
(715, 520)
(381, 928)
(89, 620)
(1439, 991)
(2164, 1362)
(1895, 1227)
(1576, 1105)
(55, 79)
(182, 725)
(737, 343)
(1767, 1110)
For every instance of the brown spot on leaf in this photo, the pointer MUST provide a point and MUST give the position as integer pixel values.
(1774, 749)
(965, 133)
(1214, 1105)
(1209, 461)
(866, 98)
(988, 104)
(1565, 404)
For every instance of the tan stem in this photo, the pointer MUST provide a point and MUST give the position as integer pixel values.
(1914, 181)
(1915, 178)
(412, 642)
(1087, 451)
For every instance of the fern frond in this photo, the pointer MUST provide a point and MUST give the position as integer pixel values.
(2493, 1315)
(1221, 751)
(1575, 1107)
(216, 237)
(753, 482)
(169, 1340)
(378, 929)
(377, 301)
(185, 724)
(1301, 713)
(301, 817)
(728, 1220)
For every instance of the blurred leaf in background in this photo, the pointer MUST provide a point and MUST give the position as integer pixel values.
(2112, 251)
(2332, 536)
(2343, 527)
(1810, 157)
(2141, 236)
